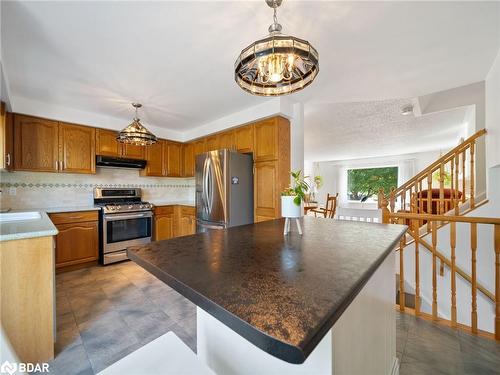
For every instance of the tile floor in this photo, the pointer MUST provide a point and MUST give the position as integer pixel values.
(105, 313)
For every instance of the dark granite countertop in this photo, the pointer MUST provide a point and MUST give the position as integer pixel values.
(282, 293)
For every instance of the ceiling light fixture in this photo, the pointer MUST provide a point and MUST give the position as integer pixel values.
(278, 64)
(136, 133)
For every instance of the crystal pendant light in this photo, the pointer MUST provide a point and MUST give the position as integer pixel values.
(278, 64)
(136, 133)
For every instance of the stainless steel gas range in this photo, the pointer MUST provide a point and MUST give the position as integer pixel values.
(124, 221)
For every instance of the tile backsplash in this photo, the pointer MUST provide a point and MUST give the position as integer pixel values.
(42, 190)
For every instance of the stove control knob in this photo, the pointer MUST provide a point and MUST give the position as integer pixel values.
(130, 206)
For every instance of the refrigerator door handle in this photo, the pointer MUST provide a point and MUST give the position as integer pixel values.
(210, 193)
(205, 185)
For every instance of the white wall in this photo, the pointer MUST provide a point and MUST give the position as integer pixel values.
(334, 173)
(464, 96)
(493, 114)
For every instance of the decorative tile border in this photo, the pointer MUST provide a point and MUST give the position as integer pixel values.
(82, 186)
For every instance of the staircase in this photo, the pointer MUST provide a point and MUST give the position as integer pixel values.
(436, 204)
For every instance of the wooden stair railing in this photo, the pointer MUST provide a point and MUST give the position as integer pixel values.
(460, 186)
(415, 219)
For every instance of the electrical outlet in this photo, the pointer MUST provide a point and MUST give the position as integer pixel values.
(12, 191)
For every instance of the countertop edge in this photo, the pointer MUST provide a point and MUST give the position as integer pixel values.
(50, 231)
(269, 344)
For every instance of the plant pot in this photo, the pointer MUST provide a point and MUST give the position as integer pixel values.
(290, 209)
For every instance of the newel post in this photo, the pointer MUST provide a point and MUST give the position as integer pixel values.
(381, 196)
(386, 214)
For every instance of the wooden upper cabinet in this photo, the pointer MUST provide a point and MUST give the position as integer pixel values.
(133, 151)
(199, 146)
(155, 160)
(212, 143)
(36, 144)
(174, 158)
(243, 139)
(6, 138)
(266, 140)
(188, 160)
(106, 143)
(77, 146)
(226, 140)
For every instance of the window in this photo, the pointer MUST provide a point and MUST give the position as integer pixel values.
(363, 184)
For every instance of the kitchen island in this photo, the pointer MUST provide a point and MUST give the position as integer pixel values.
(320, 303)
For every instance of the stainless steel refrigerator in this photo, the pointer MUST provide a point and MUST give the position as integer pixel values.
(224, 190)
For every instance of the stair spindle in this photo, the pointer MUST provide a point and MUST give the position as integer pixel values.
(473, 245)
(434, 271)
(429, 199)
(457, 163)
(497, 280)
(453, 239)
(463, 176)
(441, 189)
(401, 272)
(472, 177)
(417, 269)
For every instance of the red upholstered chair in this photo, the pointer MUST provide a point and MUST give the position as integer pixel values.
(448, 195)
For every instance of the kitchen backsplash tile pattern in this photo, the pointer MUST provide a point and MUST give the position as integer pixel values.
(41, 190)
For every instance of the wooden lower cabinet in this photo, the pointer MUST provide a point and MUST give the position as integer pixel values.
(186, 222)
(78, 239)
(173, 221)
(27, 295)
(163, 222)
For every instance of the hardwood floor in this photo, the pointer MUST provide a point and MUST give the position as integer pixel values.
(105, 313)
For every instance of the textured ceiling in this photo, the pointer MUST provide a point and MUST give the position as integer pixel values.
(177, 57)
(357, 130)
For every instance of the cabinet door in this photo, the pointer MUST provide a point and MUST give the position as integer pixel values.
(266, 140)
(212, 143)
(266, 196)
(174, 159)
(76, 243)
(155, 159)
(164, 227)
(243, 139)
(188, 160)
(6, 138)
(199, 146)
(77, 145)
(36, 144)
(106, 143)
(226, 140)
(133, 151)
(187, 225)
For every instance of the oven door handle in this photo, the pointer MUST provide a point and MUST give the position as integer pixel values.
(114, 218)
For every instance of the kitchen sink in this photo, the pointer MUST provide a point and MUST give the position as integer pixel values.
(19, 216)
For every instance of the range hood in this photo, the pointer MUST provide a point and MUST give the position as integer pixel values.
(114, 162)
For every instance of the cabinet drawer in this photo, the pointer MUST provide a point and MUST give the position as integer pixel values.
(163, 210)
(187, 210)
(73, 217)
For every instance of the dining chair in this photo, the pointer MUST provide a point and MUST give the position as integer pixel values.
(330, 207)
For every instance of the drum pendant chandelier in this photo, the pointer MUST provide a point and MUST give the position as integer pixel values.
(278, 64)
(136, 133)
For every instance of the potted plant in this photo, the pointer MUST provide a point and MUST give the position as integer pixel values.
(292, 198)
